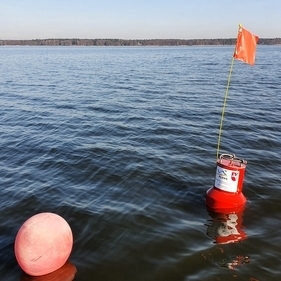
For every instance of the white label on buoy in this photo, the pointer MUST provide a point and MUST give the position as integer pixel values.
(226, 180)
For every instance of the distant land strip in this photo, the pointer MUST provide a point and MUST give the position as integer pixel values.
(131, 42)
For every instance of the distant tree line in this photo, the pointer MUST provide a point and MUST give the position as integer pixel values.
(124, 42)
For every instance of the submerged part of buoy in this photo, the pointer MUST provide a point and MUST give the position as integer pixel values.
(43, 244)
(227, 190)
(65, 273)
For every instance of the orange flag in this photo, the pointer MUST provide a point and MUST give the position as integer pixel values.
(245, 49)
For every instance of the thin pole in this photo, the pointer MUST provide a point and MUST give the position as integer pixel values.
(224, 106)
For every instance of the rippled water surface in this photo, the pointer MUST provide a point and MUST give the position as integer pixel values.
(121, 142)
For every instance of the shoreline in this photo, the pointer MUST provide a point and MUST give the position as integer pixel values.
(132, 42)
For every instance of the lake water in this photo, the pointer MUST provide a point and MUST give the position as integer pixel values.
(121, 142)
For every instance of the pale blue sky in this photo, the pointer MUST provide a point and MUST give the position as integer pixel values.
(138, 19)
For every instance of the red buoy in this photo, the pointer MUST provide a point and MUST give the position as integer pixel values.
(227, 190)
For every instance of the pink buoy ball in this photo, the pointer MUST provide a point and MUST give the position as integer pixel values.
(43, 244)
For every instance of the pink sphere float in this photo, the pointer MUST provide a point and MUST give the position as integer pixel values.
(43, 244)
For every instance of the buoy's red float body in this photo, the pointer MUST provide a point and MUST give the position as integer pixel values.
(43, 244)
(227, 190)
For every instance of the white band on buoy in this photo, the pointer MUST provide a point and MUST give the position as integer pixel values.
(226, 180)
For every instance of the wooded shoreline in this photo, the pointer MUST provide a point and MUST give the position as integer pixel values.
(132, 42)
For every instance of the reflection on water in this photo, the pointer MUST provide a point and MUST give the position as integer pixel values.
(65, 273)
(226, 226)
(235, 261)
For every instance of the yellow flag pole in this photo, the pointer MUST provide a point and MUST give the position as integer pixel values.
(225, 99)
(224, 106)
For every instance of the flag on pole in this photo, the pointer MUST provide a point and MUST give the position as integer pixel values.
(245, 49)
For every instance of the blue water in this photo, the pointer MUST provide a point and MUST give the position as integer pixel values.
(121, 142)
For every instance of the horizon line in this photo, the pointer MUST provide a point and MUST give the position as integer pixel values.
(108, 38)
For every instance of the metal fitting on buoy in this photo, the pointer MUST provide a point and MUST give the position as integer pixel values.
(227, 190)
